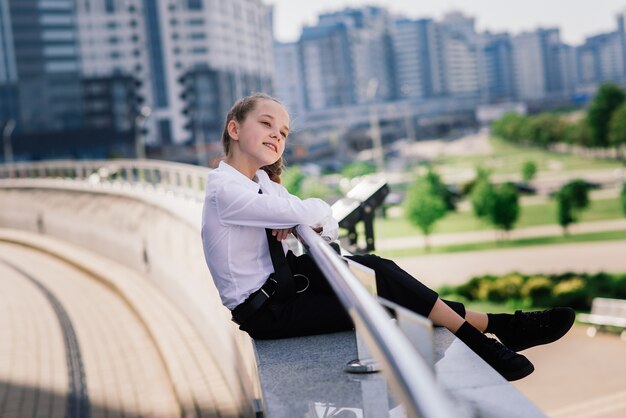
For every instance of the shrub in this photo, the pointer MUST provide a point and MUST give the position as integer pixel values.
(520, 291)
(537, 291)
(501, 289)
(571, 293)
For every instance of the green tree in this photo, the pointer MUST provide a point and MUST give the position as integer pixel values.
(313, 187)
(565, 211)
(482, 198)
(578, 191)
(623, 198)
(572, 198)
(440, 188)
(617, 127)
(578, 133)
(424, 206)
(357, 169)
(509, 127)
(544, 129)
(608, 98)
(529, 170)
(292, 179)
(505, 209)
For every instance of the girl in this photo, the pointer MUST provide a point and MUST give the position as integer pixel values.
(247, 213)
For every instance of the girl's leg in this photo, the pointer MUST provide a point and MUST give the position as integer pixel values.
(444, 316)
(478, 320)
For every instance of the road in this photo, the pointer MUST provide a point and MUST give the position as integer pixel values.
(455, 268)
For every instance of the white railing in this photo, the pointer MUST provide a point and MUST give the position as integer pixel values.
(181, 180)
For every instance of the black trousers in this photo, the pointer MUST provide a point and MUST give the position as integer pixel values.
(319, 311)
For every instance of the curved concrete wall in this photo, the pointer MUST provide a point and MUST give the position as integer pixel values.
(159, 241)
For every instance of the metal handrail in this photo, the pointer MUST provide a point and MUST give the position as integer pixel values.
(406, 371)
(404, 368)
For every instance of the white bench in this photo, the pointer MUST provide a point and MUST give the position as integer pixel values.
(605, 312)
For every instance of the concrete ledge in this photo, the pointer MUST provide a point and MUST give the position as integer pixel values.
(305, 375)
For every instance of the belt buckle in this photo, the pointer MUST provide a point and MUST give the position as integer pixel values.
(305, 278)
(275, 288)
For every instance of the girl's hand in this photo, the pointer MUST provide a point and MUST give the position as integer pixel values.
(281, 234)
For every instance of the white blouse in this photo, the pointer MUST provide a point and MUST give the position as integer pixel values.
(234, 219)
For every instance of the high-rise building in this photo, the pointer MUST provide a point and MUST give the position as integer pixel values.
(347, 58)
(460, 55)
(63, 62)
(601, 58)
(621, 30)
(226, 47)
(41, 65)
(496, 67)
(288, 81)
(326, 66)
(436, 58)
(418, 58)
(568, 75)
(536, 64)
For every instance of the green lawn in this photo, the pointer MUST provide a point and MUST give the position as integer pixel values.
(508, 159)
(533, 215)
(491, 245)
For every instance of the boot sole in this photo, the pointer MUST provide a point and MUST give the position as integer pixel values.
(519, 374)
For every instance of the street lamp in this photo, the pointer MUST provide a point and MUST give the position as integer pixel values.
(6, 138)
(377, 142)
(140, 123)
(199, 138)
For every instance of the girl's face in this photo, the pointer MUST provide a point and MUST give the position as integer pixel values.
(260, 139)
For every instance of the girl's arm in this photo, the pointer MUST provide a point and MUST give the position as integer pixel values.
(239, 205)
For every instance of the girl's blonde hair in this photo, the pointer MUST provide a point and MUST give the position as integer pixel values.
(239, 112)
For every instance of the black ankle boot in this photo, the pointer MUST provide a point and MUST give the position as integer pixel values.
(510, 365)
(528, 329)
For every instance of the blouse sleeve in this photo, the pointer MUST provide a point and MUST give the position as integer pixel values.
(330, 229)
(239, 205)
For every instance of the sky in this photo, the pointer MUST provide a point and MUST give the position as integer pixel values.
(577, 19)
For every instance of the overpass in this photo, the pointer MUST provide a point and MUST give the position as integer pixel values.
(109, 310)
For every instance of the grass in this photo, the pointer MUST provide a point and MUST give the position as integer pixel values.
(508, 159)
(492, 245)
(532, 215)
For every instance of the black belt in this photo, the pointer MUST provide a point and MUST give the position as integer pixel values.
(245, 310)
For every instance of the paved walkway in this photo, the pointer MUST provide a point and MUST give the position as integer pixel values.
(578, 376)
(140, 361)
(489, 235)
(456, 268)
(118, 356)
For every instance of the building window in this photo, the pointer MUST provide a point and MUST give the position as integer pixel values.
(157, 67)
(165, 131)
(61, 66)
(194, 4)
(196, 22)
(57, 5)
(109, 6)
